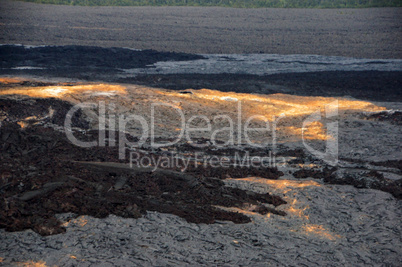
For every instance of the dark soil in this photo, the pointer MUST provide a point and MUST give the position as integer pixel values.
(362, 33)
(371, 179)
(21, 107)
(367, 85)
(394, 117)
(82, 62)
(314, 173)
(390, 163)
(40, 177)
(396, 164)
(104, 64)
(85, 56)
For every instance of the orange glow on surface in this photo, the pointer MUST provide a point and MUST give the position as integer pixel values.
(293, 208)
(320, 231)
(284, 185)
(268, 108)
(81, 221)
(313, 131)
(243, 211)
(61, 91)
(274, 104)
(6, 80)
(257, 111)
(297, 211)
(33, 264)
(23, 124)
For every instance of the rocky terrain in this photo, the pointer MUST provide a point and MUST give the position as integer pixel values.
(87, 206)
(321, 187)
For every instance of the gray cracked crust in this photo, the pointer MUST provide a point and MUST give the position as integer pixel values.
(341, 226)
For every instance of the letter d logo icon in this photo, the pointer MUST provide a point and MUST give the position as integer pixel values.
(330, 155)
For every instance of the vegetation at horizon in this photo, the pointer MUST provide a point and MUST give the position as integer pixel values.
(232, 3)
